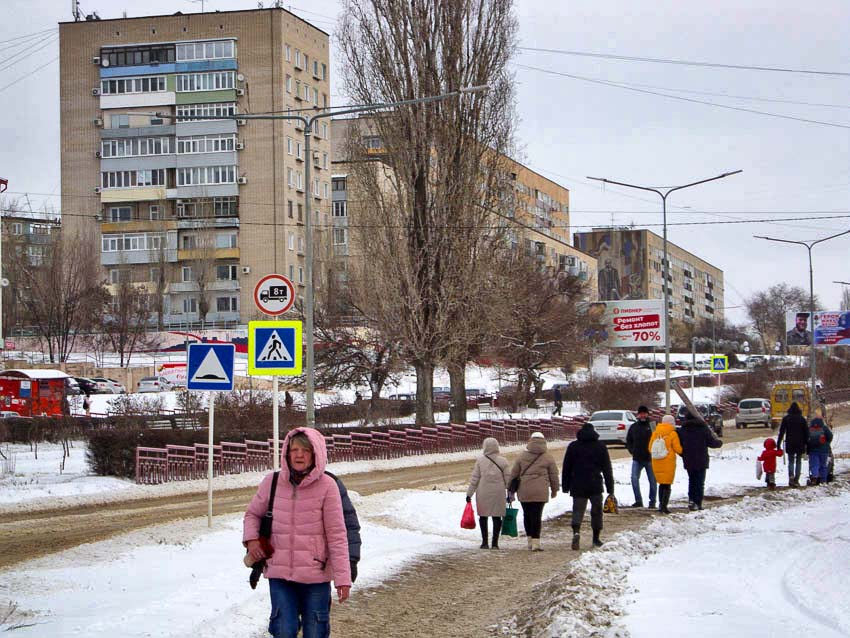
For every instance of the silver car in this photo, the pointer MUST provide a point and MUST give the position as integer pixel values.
(753, 411)
(612, 425)
(155, 384)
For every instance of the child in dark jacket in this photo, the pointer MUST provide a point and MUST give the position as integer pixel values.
(768, 461)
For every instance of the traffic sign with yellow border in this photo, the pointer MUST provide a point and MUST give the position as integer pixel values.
(274, 348)
(719, 363)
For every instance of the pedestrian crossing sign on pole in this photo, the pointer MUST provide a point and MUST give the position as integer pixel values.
(719, 363)
(274, 348)
(209, 366)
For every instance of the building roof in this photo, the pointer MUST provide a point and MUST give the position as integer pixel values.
(35, 374)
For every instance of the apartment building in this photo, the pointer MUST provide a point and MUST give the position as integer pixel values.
(536, 214)
(178, 193)
(630, 266)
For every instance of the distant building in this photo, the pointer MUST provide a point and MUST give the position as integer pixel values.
(195, 210)
(630, 266)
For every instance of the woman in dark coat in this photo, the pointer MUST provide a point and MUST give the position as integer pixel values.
(696, 437)
(795, 431)
(586, 464)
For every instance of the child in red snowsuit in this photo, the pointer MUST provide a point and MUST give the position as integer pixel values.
(768, 461)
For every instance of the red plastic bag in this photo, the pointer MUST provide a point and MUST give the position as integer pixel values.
(467, 521)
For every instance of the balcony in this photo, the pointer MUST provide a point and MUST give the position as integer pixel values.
(194, 223)
(138, 226)
(222, 285)
(190, 254)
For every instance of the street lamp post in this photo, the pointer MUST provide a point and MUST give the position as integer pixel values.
(307, 122)
(663, 193)
(809, 245)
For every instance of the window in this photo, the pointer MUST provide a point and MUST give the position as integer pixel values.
(225, 304)
(226, 272)
(225, 240)
(114, 276)
(120, 213)
(300, 245)
(139, 55)
(290, 181)
(212, 81)
(206, 175)
(291, 241)
(340, 236)
(214, 50)
(298, 59)
(225, 206)
(287, 52)
(155, 212)
(300, 212)
(339, 209)
(291, 272)
(324, 71)
(121, 86)
(188, 242)
(289, 83)
(154, 274)
(324, 160)
(338, 184)
(299, 153)
(135, 147)
(317, 192)
(315, 96)
(324, 100)
(289, 207)
(190, 305)
(17, 228)
(119, 121)
(35, 255)
(186, 274)
(300, 274)
(289, 146)
(199, 112)
(206, 143)
(316, 69)
(325, 130)
(325, 190)
(129, 179)
(372, 142)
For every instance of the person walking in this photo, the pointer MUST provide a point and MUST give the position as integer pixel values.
(559, 401)
(489, 483)
(664, 459)
(308, 538)
(538, 477)
(820, 438)
(696, 437)
(795, 430)
(768, 462)
(637, 443)
(586, 464)
(288, 401)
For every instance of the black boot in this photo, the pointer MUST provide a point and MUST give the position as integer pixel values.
(482, 523)
(664, 498)
(497, 529)
(596, 541)
(576, 538)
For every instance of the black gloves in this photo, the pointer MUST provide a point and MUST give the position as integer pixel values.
(468, 499)
(353, 570)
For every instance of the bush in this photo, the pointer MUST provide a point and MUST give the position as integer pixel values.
(622, 391)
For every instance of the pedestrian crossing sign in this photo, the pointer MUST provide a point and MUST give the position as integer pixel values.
(209, 366)
(274, 348)
(719, 363)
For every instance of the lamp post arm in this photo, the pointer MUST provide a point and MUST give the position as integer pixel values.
(703, 181)
(818, 241)
(643, 188)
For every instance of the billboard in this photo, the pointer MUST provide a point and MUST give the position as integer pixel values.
(637, 323)
(832, 328)
(798, 328)
(621, 258)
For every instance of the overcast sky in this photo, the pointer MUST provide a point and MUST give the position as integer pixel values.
(570, 128)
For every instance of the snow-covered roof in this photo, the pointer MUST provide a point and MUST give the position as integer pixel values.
(36, 374)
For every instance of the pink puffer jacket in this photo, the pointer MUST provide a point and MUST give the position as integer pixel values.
(308, 531)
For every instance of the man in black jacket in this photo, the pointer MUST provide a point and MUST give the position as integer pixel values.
(795, 431)
(637, 443)
(696, 437)
(586, 462)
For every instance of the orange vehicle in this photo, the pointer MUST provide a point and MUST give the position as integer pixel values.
(33, 392)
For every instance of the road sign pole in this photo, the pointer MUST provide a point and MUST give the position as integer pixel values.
(275, 426)
(210, 454)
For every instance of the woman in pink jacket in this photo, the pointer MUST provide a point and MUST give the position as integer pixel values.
(310, 546)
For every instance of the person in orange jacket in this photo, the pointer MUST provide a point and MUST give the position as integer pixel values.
(665, 468)
(768, 462)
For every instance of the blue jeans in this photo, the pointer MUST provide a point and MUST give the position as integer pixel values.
(795, 465)
(696, 486)
(818, 465)
(637, 466)
(297, 605)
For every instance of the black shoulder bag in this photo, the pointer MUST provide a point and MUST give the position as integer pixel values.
(514, 484)
(265, 536)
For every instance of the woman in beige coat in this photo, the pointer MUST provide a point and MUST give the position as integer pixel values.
(489, 483)
(538, 475)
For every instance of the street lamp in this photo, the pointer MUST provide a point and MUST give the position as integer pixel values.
(663, 193)
(809, 245)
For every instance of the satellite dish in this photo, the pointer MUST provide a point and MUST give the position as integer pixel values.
(4, 282)
(104, 62)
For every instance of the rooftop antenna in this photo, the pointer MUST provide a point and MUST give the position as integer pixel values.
(196, 2)
(75, 10)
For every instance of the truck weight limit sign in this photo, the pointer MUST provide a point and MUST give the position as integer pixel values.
(274, 294)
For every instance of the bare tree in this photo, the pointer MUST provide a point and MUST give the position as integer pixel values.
(66, 293)
(767, 310)
(203, 260)
(126, 318)
(429, 197)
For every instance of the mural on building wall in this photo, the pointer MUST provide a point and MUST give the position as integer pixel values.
(620, 258)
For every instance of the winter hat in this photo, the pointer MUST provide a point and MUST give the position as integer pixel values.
(642, 408)
(668, 419)
(537, 435)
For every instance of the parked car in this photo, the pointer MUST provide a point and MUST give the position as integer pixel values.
(8, 414)
(708, 411)
(649, 365)
(155, 384)
(442, 393)
(783, 394)
(87, 386)
(755, 360)
(703, 364)
(752, 411)
(679, 365)
(72, 387)
(612, 425)
(108, 386)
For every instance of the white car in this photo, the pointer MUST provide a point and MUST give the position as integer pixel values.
(155, 384)
(108, 386)
(612, 425)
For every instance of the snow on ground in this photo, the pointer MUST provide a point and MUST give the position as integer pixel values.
(183, 579)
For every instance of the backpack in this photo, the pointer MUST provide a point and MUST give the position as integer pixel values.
(816, 437)
(658, 450)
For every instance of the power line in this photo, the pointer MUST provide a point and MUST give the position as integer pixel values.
(683, 99)
(628, 58)
(28, 36)
(26, 75)
(26, 53)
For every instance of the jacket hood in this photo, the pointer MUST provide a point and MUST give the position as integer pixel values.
(769, 444)
(536, 446)
(691, 422)
(490, 446)
(587, 433)
(794, 409)
(663, 429)
(320, 454)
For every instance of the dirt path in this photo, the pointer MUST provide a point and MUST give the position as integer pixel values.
(26, 535)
